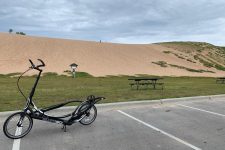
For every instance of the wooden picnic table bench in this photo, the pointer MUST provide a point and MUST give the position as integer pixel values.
(220, 80)
(145, 82)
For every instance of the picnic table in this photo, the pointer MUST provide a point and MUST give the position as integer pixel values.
(145, 82)
(220, 80)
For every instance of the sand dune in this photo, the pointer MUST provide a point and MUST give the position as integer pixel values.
(98, 59)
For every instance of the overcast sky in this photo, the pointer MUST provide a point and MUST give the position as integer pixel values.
(123, 21)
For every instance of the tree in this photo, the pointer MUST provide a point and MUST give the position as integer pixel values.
(10, 30)
(21, 33)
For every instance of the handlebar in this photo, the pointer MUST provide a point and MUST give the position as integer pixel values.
(32, 64)
(42, 63)
(38, 66)
(101, 98)
(95, 99)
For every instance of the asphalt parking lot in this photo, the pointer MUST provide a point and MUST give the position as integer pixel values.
(179, 125)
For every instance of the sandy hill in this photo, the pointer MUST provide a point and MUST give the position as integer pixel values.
(100, 59)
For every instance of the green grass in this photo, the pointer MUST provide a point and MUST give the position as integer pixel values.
(78, 74)
(55, 89)
(208, 64)
(177, 55)
(205, 63)
(190, 69)
(165, 64)
(214, 52)
(219, 67)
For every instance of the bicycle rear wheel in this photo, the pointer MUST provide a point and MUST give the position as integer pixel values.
(90, 115)
(17, 125)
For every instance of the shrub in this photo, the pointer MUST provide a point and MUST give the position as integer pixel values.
(21, 33)
(220, 67)
(160, 63)
(167, 52)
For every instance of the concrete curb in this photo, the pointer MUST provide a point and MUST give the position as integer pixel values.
(132, 103)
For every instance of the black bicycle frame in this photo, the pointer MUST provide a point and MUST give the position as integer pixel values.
(39, 114)
(35, 85)
(30, 100)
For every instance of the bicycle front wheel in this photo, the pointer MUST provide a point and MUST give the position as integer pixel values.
(17, 125)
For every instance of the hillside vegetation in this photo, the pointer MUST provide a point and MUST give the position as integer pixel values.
(208, 55)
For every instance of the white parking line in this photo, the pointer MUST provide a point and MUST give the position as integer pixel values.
(161, 131)
(210, 112)
(16, 142)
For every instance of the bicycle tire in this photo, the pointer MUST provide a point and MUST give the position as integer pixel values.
(19, 130)
(89, 118)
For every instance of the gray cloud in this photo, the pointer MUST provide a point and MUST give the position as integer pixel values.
(127, 21)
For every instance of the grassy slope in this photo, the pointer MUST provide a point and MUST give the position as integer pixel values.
(207, 53)
(54, 89)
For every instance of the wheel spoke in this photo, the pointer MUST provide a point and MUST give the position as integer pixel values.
(11, 129)
(90, 116)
